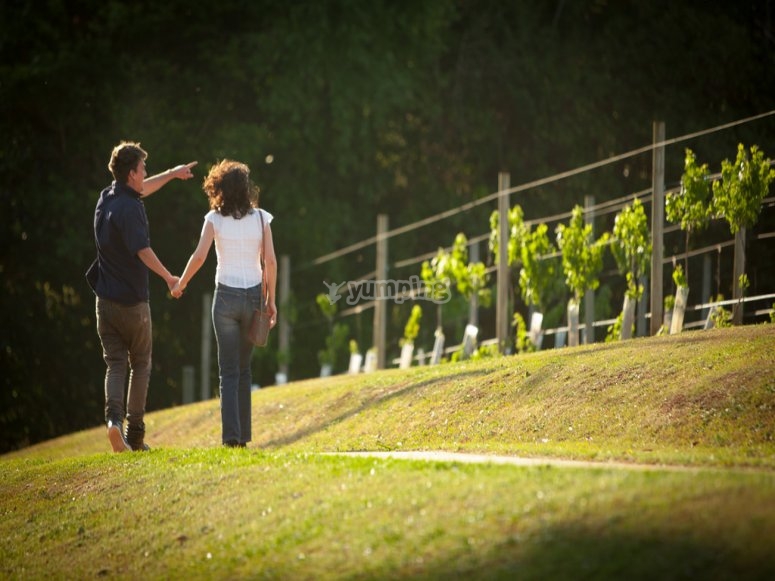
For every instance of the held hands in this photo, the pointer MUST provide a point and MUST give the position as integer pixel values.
(173, 282)
(177, 290)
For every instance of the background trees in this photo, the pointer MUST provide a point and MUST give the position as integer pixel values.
(343, 109)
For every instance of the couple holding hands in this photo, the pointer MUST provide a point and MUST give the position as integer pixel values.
(119, 277)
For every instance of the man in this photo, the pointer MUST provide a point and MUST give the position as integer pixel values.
(119, 278)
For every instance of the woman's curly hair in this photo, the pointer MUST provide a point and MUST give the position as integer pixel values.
(229, 189)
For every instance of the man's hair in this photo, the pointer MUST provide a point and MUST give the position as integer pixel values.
(230, 190)
(125, 157)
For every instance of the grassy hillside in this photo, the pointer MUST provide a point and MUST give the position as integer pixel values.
(703, 400)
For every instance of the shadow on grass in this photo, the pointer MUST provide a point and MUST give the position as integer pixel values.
(571, 553)
(374, 398)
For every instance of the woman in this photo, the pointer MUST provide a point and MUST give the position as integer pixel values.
(235, 223)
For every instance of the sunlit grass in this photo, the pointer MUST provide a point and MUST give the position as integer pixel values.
(225, 513)
(283, 510)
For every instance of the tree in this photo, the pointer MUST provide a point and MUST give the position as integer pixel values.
(412, 327)
(582, 261)
(540, 279)
(517, 232)
(437, 276)
(411, 330)
(738, 198)
(744, 185)
(540, 275)
(631, 247)
(448, 268)
(691, 207)
(337, 334)
(470, 277)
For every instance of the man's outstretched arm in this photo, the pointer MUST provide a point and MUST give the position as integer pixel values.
(153, 183)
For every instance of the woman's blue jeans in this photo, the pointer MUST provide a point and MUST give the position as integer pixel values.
(232, 313)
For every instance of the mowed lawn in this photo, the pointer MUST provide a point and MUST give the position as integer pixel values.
(679, 429)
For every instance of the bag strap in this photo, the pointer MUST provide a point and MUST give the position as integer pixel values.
(261, 261)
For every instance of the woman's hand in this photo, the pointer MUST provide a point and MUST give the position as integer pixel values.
(271, 308)
(177, 290)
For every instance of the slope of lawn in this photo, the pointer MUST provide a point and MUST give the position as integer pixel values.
(697, 408)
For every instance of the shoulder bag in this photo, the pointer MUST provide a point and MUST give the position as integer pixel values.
(258, 333)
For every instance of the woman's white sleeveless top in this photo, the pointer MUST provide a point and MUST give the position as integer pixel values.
(238, 248)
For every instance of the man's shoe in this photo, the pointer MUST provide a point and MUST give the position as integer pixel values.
(135, 436)
(116, 437)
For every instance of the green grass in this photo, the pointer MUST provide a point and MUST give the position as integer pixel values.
(284, 510)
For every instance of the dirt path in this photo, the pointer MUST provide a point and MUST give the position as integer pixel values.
(438, 456)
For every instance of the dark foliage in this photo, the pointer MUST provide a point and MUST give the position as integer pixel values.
(343, 109)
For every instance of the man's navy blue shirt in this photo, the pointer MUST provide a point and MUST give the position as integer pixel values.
(120, 232)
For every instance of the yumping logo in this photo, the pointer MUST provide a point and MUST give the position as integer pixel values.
(390, 290)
